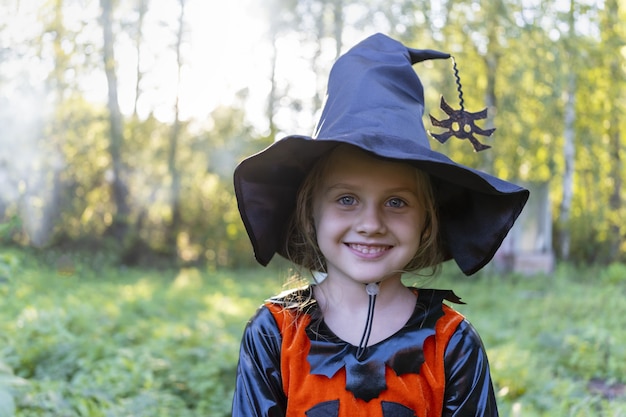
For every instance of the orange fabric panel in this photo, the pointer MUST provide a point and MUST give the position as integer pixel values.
(423, 392)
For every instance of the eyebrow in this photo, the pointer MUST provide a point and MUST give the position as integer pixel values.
(340, 186)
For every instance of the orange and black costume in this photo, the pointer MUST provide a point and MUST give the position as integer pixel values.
(293, 366)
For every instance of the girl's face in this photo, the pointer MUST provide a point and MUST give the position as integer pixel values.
(368, 216)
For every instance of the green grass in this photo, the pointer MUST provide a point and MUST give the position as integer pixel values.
(81, 338)
(556, 344)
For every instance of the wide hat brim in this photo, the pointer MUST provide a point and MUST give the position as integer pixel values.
(476, 210)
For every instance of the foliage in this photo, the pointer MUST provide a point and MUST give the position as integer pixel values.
(515, 57)
(9, 229)
(99, 340)
(113, 342)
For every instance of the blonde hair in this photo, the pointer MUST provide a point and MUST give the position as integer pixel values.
(301, 239)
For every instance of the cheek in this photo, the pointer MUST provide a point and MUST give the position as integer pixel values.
(416, 229)
(321, 225)
(320, 222)
(329, 227)
(315, 217)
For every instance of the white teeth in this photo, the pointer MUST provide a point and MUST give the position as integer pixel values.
(367, 250)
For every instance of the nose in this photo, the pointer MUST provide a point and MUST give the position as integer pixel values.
(370, 221)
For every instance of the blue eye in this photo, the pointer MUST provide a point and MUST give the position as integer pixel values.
(396, 203)
(346, 200)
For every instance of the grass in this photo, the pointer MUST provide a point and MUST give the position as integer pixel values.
(79, 337)
(555, 343)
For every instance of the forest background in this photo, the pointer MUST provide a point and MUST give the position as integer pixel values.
(121, 121)
(126, 276)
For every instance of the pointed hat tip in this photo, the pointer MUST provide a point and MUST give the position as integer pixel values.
(419, 55)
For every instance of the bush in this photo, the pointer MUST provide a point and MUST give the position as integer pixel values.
(614, 274)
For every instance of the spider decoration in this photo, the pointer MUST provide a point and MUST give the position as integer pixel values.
(461, 124)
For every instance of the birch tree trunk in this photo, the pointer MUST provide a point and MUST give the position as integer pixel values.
(172, 166)
(569, 147)
(119, 225)
(569, 156)
(272, 97)
(141, 10)
(338, 18)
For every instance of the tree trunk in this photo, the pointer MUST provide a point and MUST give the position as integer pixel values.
(119, 191)
(338, 20)
(617, 77)
(142, 8)
(569, 148)
(175, 222)
(491, 59)
(491, 63)
(569, 156)
(320, 28)
(272, 96)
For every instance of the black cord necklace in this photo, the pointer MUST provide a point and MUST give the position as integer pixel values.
(372, 291)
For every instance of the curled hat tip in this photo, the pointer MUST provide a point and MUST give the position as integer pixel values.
(419, 55)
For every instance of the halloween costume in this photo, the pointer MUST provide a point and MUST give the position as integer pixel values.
(434, 366)
(291, 364)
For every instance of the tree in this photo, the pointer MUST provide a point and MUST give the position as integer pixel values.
(569, 149)
(612, 21)
(173, 170)
(119, 191)
(142, 8)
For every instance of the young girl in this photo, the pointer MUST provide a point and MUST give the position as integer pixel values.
(358, 204)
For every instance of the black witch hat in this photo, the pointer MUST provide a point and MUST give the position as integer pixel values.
(375, 101)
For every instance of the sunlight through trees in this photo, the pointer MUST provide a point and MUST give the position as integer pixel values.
(121, 122)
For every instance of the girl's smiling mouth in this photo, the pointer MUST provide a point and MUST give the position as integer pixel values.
(368, 249)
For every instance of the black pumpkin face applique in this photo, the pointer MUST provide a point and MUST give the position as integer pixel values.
(331, 409)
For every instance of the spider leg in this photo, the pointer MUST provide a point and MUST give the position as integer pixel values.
(446, 107)
(442, 137)
(441, 123)
(477, 145)
(478, 115)
(482, 132)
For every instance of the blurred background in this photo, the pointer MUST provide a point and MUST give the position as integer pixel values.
(126, 276)
(121, 121)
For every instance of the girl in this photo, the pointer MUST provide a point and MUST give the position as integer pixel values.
(358, 204)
